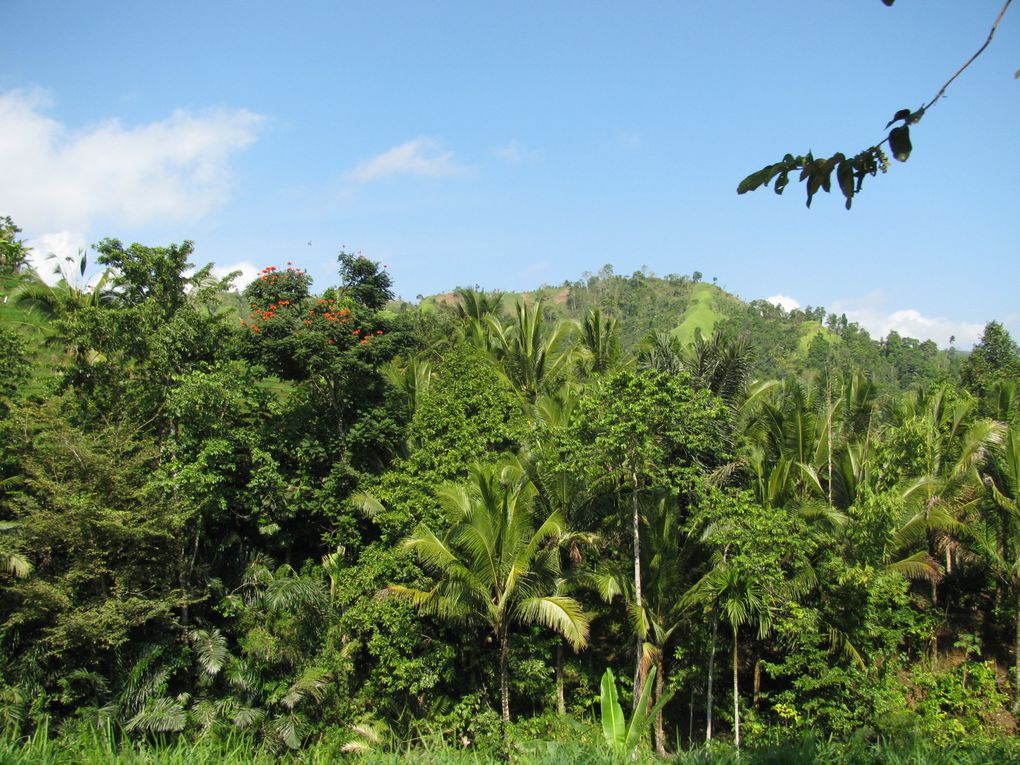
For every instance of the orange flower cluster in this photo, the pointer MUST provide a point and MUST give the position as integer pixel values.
(271, 309)
(330, 314)
(324, 308)
(268, 313)
(272, 275)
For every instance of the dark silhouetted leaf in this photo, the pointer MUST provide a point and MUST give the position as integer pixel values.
(845, 178)
(902, 114)
(899, 142)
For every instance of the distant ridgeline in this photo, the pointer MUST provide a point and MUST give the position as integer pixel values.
(790, 342)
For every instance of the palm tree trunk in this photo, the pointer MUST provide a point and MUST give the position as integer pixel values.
(736, 695)
(690, 720)
(1016, 654)
(711, 667)
(828, 405)
(504, 682)
(660, 690)
(561, 699)
(639, 675)
(757, 683)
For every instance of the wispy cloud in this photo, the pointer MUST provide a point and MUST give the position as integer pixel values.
(871, 313)
(56, 178)
(515, 152)
(420, 156)
(536, 267)
(630, 139)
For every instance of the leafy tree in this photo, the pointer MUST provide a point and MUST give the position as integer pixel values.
(635, 433)
(363, 281)
(102, 540)
(468, 414)
(156, 273)
(760, 566)
(13, 252)
(995, 358)
(13, 367)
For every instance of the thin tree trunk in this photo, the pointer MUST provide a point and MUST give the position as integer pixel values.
(1016, 655)
(736, 695)
(711, 667)
(757, 683)
(561, 699)
(690, 721)
(660, 690)
(639, 675)
(182, 582)
(828, 404)
(504, 682)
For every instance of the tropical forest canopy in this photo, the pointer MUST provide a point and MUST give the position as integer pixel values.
(318, 518)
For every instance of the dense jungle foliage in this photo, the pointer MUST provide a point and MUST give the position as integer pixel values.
(299, 523)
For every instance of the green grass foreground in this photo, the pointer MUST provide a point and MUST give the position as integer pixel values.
(97, 748)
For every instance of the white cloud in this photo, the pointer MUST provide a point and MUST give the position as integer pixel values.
(870, 312)
(785, 302)
(248, 274)
(58, 178)
(536, 267)
(515, 152)
(420, 156)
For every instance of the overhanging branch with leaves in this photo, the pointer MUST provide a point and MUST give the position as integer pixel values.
(851, 171)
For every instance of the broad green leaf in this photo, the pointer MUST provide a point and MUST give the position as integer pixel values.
(613, 724)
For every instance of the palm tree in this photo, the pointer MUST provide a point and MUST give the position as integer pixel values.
(557, 490)
(952, 447)
(477, 304)
(600, 343)
(494, 565)
(732, 593)
(662, 352)
(479, 312)
(718, 363)
(996, 535)
(70, 294)
(411, 380)
(530, 356)
(668, 552)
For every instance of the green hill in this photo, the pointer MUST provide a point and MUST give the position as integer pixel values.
(781, 341)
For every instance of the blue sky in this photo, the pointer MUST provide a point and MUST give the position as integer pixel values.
(512, 144)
